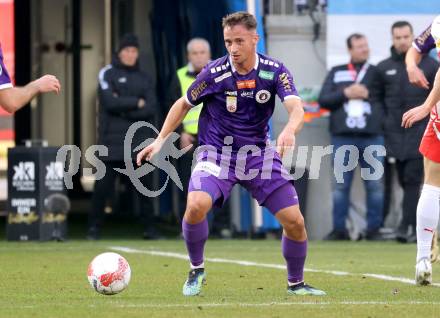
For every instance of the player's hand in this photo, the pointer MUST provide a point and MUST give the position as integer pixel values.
(417, 77)
(285, 142)
(148, 152)
(186, 140)
(414, 115)
(48, 83)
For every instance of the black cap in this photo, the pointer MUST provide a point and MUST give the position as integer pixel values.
(128, 40)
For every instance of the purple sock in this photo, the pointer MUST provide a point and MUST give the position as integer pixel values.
(195, 236)
(295, 254)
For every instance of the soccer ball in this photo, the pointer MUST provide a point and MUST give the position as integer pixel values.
(109, 273)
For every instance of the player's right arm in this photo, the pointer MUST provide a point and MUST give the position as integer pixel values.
(418, 113)
(421, 45)
(415, 74)
(14, 98)
(174, 118)
(196, 94)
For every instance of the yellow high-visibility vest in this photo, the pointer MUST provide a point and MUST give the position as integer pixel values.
(191, 120)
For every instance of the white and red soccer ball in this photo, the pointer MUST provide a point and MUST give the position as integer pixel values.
(109, 273)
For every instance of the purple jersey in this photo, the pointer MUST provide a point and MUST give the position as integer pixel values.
(5, 81)
(239, 105)
(424, 42)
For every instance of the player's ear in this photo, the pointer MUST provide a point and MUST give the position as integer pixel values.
(256, 38)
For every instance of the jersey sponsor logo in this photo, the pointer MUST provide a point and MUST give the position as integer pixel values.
(231, 104)
(222, 77)
(246, 84)
(231, 93)
(266, 75)
(284, 79)
(248, 94)
(195, 92)
(422, 38)
(262, 96)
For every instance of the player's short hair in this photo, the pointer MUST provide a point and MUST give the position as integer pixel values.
(240, 18)
(401, 24)
(355, 36)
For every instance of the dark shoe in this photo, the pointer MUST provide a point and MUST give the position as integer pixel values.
(374, 235)
(92, 234)
(406, 236)
(151, 234)
(337, 236)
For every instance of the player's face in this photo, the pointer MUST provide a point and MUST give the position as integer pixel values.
(240, 42)
(402, 39)
(199, 55)
(129, 55)
(359, 51)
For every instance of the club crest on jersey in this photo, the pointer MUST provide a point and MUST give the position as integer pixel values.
(231, 104)
(262, 96)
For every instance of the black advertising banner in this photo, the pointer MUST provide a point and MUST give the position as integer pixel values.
(35, 182)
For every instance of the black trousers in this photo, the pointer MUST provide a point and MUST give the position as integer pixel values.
(104, 192)
(410, 177)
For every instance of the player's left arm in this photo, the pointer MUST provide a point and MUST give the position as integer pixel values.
(288, 94)
(418, 113)
(286, 139)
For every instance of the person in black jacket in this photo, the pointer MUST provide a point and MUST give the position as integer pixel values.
(398, 96)
(355, 119)
(126, 96)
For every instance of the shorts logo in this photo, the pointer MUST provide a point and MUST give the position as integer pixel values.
(262, 96)
(246, 84)
(231, 104)
(208, 167)
(266, 75)
(195, 92)
(1, 70)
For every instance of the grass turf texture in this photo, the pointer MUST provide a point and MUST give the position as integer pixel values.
(49, 280)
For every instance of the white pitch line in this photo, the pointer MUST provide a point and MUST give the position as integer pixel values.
(271, 304)
(265, 265)
(248, 305)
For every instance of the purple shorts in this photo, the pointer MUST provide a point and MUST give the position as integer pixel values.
(262, 174)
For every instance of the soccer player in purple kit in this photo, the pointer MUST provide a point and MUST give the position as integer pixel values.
(14, 98)
(238, 96)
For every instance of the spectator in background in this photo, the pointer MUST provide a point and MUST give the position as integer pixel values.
(354, 120)
(199, 55)
(397, 95)
(126, 95)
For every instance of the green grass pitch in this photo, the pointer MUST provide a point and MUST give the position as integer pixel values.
(49, 280)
